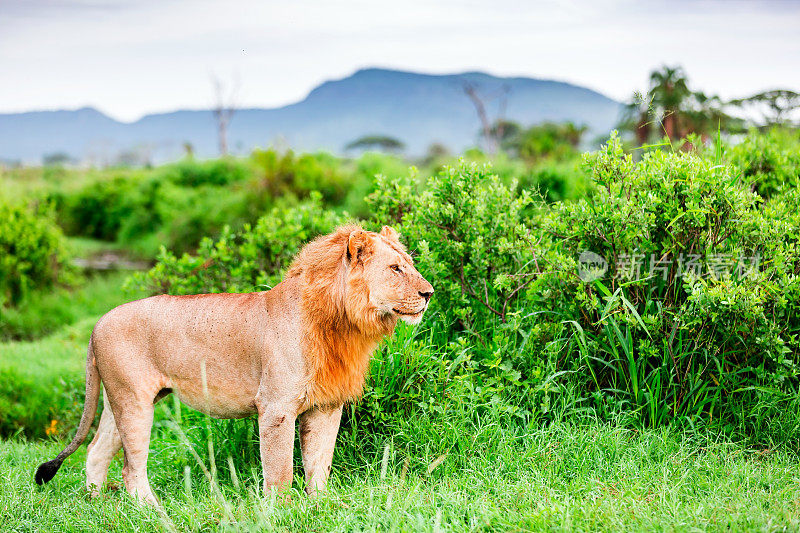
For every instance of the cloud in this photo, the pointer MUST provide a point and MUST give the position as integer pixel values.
(129, 58)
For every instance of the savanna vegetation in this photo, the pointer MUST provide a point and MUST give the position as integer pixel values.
(613, 342)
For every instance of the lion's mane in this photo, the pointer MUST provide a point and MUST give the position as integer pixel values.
(340, 328)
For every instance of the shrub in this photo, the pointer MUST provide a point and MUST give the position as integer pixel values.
(555, 183)
(695, 320)
(280, 175)
(241, 261)
(32, 252)
(770, 161)
(193, 173)
(37, 406)
(99, 209)
(470, 235)
(687, 322)
(361, 182)
(129, 209)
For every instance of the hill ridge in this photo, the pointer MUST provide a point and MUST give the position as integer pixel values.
(417, 108)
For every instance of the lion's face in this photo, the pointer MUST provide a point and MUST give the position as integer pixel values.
(394, 285)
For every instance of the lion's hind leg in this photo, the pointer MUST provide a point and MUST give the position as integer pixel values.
(105, 445)
(135, 421)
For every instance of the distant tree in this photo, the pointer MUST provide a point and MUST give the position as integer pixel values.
(376, 142)
(706, 114)
(506, 132)
(224, 109)
(669, 90)
(139, 156)
(670, 108)
(492, 130)
(435, 153)
(777, 106)
(545, 140)
(57, 159)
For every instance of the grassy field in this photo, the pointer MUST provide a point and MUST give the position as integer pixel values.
(493, 475)
(563, 477)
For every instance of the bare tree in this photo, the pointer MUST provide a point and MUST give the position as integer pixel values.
(224, 109)
(491, 134)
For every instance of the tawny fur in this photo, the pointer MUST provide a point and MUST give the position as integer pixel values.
(298, 351)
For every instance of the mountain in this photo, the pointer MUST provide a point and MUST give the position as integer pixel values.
(418, 109)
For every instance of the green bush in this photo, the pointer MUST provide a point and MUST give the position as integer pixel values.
(695, 320)
(554, 181)
(361, 182)
(279, 175)
(130, 209)
(469, 233)
(37, 407)
(179, 204)
(770, 160)
(44, 312)
(32, 252)
(193, 173)
(99, 209)
(696, 317)
(241, 261)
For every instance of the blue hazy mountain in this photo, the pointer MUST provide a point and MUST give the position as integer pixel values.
(417, 109)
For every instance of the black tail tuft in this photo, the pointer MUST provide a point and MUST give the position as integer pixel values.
(47, 470)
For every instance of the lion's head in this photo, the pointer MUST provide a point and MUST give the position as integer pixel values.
(364, 277)
(380, 267)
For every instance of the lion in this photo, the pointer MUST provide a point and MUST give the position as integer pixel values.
(296, 352)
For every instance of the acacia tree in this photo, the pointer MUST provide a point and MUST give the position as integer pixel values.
(777, 106)
(376, 142)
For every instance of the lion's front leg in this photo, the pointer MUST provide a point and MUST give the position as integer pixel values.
(318, 430)
(276, 435)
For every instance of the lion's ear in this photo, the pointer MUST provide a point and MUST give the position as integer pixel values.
(390, 233)
(357, 244)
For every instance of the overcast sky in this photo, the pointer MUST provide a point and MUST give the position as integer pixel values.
(129, 58)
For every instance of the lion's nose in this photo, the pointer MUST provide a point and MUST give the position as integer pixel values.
(426, 294)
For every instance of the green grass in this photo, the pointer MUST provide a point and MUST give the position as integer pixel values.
(491, 474)
(44, 313)
(425, 467)
(41, 380)
(563, 477)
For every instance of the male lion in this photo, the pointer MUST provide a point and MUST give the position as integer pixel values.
(299, 350)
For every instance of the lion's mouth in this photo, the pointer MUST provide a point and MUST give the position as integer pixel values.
(404, 313)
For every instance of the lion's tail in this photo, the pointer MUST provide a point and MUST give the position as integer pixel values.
(47, 470)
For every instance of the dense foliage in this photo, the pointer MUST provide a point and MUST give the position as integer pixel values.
(770, 161)
(32, 251)
(697, 315)
(177, 205)
(248, 260)
(694, 318)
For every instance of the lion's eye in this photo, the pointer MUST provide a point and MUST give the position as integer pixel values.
(396, 269)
